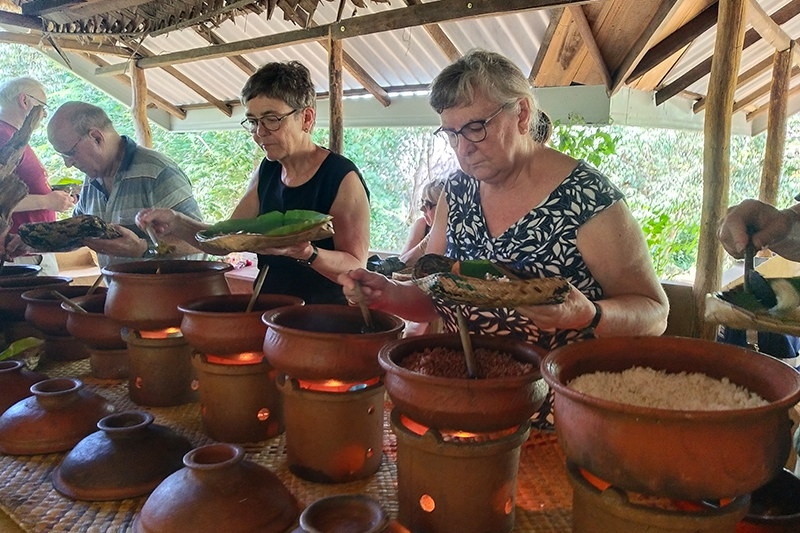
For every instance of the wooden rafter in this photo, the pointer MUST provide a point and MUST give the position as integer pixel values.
(555, 18)
(157, 100)
(363, 77)
(765, 108)
(20, 21)
(582, 23)
(639, 48)
(202, 17)
(744, 78)
(428, 13)
(781, 16)
(71, 45)
(244, 65)
(766, 27)
(759, 92)
(73, 11)
(675, 42)
(439, 36)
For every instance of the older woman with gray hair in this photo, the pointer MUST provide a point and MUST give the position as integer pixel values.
(525, 205)
(280, 110)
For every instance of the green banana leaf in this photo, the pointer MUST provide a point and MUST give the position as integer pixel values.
(272, 224)
(17, 347)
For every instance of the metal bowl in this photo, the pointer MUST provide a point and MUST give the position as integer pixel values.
(475, 405)
(686, 455)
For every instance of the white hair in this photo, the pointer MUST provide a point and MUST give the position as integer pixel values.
(10, 90)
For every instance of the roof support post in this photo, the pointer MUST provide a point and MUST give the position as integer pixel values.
(776, 126)
(716, 155)
(335, 95)
(144, 135)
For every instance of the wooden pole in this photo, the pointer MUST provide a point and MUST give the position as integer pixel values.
(776, 126)
(144, 136)
(716, 155)
(336, 92)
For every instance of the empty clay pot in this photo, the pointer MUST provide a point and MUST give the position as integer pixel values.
(353, 513)
(12, 306)
(318, 342)
(15, 383)
(128, 457)
(145, 295)
(219, 325)
(58, 415)
(94, 328)
(685, 455)
(475, 405)
(43, 308)
(218, 491)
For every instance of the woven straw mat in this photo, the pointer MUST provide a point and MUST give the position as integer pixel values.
(544, 497)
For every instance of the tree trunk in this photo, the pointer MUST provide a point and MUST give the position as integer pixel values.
(336, 92)
(144, 135)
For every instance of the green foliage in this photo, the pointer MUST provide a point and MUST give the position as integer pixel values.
(576, 140)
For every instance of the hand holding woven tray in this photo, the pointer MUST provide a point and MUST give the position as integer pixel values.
(722, 312)
(65, 235)
(487, 293)
(274, 234)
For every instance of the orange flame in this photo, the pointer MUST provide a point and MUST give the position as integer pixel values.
(161, 333)
(334, 385)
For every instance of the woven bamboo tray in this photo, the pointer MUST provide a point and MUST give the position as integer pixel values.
(544, 496)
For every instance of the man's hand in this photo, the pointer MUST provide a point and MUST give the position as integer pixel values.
(59, 201)
(127, 245)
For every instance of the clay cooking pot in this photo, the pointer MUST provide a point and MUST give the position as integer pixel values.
(475, 405)
(15, 382)
(94, 328)
(12, 306)
(145, 295)
(219, 325)
(44, 310)
(685, 455)
(319, 342)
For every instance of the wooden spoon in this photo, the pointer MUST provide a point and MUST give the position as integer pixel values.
(466, 344)
(257, 288)
(362, 303)
(74, 305)
(94, 285)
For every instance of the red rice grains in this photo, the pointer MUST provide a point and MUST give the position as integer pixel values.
(446, 363)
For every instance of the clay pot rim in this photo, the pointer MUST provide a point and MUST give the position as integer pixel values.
(379, 517)
(45, 295)
(551, 366)
(123, 270)
(191, 307)
(21, 282)
(269, 317)
(139, 419)
(462, 383)
(81, 300)
(10, 365)
(69, 385)
(231, 454)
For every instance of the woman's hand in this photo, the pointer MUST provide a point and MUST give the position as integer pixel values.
(373, 286)
(577, 312)
(161, 220)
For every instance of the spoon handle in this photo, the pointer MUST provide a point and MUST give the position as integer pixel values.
(749, 259)
(466, 344)
(362, 303)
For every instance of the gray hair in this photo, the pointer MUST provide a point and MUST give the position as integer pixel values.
(484, 72)
(432, 190)
(289, 81)
(83, 117)
(10, 90)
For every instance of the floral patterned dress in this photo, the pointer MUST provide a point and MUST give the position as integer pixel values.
(543, 242)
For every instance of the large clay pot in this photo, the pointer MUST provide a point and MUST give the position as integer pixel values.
(219, 325)
(12, 306)
(475, 405)
(238, 402)
(128, 457)
(685, 455)
(58, 415)
(145, 295)
(218, 491)
(319, 342)
(94, 328)
(43, 308)
(15, 383)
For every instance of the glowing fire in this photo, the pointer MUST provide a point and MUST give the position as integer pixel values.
(244, 358)
(160, 333)
(457, 436)
(334, 385)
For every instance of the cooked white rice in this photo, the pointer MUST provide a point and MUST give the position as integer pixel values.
(656, 388)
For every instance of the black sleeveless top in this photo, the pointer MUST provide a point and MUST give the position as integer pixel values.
(287, 275)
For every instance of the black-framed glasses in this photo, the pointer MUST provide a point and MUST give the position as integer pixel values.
(427, 205)
(474, 131)
(269, 122)
(43, 104)
(69, 154)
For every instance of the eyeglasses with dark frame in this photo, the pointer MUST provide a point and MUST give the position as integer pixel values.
(41, 103)
(269, 122)
(70, 154)
(427, 205)
(474, 131)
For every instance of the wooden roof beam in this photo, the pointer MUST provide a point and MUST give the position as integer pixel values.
(781, 16)
(639, 48)
(64, 12)
(358, 72)
(395, 19)
(44, 7)
(202, 17)
(765, 108)
(760, 92)
(744, 78)
(36, 41)
(244, 65)
(20, 21)
(439, 36)
(555, 19)
(766, 27)
(585, 30)
(674, 42)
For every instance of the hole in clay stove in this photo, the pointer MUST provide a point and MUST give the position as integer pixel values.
(263, 414)
(427, 504)
(509, 506)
